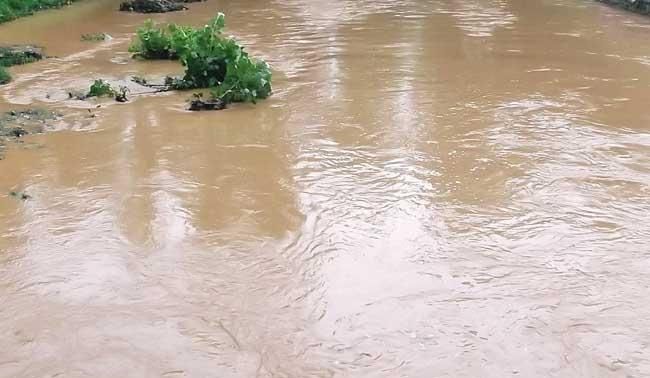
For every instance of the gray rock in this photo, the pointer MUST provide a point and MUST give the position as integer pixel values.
(151, 6)
(19, 54)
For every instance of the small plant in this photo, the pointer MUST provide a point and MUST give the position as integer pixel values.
(152, 43)
(4, 76)
(101, 88)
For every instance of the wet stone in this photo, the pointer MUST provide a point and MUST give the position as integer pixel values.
(151, 6)
(199, 104)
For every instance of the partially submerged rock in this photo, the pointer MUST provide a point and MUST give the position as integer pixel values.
(639, 6)
(18, 123)
(20, 54)
(151, 6)
(211, 104)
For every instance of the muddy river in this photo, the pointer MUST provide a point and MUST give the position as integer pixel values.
(437, 188)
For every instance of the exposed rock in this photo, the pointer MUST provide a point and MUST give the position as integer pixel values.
(200, 104)
(151, 6)
(639, 6)
(19, 54)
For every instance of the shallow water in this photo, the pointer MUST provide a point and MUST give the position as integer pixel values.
(437, 188)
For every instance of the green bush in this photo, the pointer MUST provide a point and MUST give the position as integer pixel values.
(4, 76)
(152, 42)
(245, 81)
(12, 9)
(100, 88)
(210, 60)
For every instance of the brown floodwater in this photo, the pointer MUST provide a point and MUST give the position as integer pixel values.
(437, 188)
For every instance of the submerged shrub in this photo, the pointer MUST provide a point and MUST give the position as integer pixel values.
(14, 55)
(4, 76)
(210, 60)
(100, 88)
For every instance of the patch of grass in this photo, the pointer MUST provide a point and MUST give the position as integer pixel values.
(211, 60)
(101, 88)
(12, 9)
(4, 76)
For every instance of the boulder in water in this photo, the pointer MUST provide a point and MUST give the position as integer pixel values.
(212, 104)
(151, 6)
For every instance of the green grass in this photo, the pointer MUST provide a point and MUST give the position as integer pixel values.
(12, 9)
(4, 76)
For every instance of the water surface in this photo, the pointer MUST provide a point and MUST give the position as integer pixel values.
(437, 188)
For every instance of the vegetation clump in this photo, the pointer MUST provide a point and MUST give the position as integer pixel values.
(101, 88)
(211, 60)
(4, 76)
(14, 55)
(12, 9)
